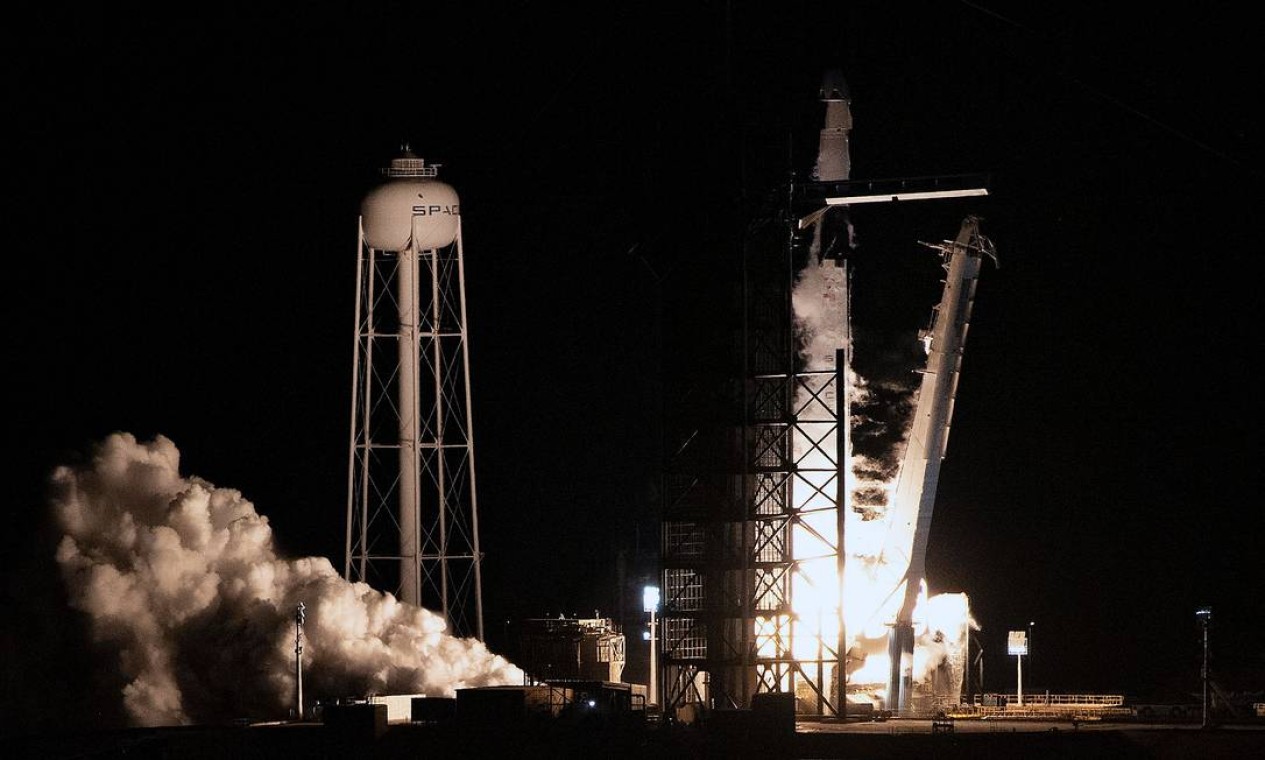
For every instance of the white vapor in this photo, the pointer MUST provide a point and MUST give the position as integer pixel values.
(182, 579)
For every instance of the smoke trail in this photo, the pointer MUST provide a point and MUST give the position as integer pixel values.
(819, 300)
(183, 580)
(882, 411)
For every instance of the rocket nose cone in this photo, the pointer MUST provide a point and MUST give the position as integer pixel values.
(833, 86)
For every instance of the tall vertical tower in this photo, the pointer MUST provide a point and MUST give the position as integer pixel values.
(778, 562)
(412, 519)
(752, 524)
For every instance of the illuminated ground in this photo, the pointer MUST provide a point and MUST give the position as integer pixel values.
(992, 726)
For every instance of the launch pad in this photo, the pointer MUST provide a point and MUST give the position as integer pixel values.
(785, 570)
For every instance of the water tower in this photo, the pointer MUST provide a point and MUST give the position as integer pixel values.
(412, 520)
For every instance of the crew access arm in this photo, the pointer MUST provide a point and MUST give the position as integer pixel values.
(920, 469)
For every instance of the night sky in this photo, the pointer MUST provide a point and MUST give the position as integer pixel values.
(182, 238)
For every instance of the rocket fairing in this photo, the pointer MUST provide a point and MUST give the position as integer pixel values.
(834, 161)
(834, 86)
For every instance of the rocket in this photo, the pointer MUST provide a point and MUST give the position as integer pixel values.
(834, 228)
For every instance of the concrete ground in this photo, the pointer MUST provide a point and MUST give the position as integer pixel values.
(974, 738)
(993, 726)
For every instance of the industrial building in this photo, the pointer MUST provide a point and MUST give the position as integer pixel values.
(562, 648)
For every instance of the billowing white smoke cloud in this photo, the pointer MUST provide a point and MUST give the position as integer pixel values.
(942, 630)
(819, 300)
(182, 578)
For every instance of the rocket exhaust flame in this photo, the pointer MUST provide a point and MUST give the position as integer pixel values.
(876, 555)
(878, 548)
(183, 580)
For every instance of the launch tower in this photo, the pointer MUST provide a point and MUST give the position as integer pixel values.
(412, 519)
(754, 544)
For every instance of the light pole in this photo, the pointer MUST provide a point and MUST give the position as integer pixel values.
(1204, 614)
(1017, 644)
(299, 618)
(1019, 669)
(650, 603)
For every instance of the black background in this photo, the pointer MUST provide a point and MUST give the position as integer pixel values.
(182, 251)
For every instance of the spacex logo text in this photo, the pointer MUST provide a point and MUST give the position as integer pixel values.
(453, 210)
(435, 209)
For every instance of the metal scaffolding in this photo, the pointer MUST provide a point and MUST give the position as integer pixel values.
(739, 494)
(757, 492)
(412, 520)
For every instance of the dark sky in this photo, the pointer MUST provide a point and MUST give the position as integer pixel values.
(182, 248)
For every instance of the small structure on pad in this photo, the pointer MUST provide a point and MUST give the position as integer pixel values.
(561, 648)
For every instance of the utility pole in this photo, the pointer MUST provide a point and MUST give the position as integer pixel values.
(1031, 625)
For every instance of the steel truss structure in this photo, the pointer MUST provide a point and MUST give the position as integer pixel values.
(412, 519)
(755, 480)
(739, 495)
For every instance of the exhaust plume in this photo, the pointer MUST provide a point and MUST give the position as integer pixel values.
(182, 579)
(876, 548)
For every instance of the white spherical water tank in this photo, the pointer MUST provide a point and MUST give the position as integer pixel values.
(411, 207)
